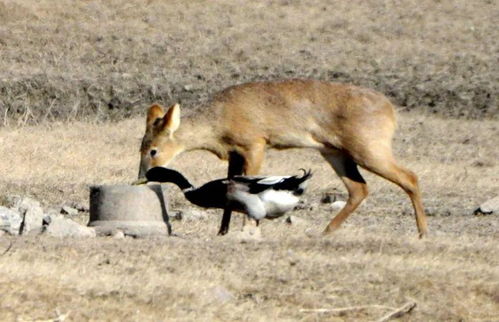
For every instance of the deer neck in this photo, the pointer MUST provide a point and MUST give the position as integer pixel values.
(198, 133)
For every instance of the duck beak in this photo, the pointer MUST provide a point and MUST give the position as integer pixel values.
(139, 181)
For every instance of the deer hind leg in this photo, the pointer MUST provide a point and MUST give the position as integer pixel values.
(347, 170)
(249, 162)
(387, 168)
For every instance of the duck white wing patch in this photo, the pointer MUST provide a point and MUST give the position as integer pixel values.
(272, 180)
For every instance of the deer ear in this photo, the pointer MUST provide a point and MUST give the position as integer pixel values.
(155, 112)
(171, 120)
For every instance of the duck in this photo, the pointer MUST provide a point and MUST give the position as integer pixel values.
(256, 196)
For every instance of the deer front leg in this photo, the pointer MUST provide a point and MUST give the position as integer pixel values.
(246, 161)
(236, 166)
(253, 158)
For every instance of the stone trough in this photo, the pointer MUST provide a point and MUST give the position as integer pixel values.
(139, 211)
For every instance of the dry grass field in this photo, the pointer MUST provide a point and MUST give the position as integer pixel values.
(76, 77)
(375, 259)
(72, 59)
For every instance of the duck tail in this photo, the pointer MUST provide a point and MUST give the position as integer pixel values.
(306, 174)
(297, 184)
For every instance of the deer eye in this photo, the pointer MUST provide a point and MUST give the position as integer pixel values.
(153, 152)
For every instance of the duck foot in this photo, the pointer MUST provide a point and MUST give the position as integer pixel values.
(249, 233)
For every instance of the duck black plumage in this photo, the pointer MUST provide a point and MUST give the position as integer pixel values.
(258, 197)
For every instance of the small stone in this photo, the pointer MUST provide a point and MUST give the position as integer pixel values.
(79, 206)
(61, 226)
(118, 234)
(67, 210)
(46, 221)
(303, 206)
(221, 294)
(52, 212)
(27, 203)
(194, 215)
(296, 221)
(176, 215)
(249, 233)
(338, 205)
(489, 207)
(328, 198)
(10, 220)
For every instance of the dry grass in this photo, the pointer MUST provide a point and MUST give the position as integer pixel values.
(72, 59)
(65, 66)
(58, 161)
(212, 278)
(374, 259)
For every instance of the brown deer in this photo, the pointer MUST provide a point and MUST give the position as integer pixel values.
(349, 125)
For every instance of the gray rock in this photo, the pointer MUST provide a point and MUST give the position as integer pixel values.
(67, 210)
(30, 212)
(32, 218)
(13, 201)
(52, 212)
(26, 204)
(4, 218)
(61, 226)
(10, 220)
(78, 206)
(489, 207)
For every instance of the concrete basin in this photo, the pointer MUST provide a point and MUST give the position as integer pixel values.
(139, 211)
